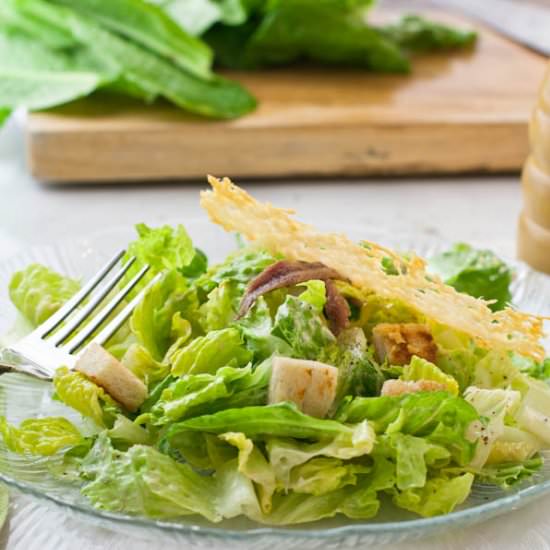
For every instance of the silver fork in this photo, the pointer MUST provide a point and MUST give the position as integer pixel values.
(43, 350)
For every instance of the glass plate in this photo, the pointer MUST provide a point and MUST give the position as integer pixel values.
(22, 397)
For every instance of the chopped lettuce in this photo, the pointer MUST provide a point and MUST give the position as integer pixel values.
(141, 363)
(76, 391)
(282, 420)
(440, 495)
(146, 482)
(314, 294)
(507, 474)
(438, 417)
(220, 309)
(300, 324)
(161, 248)
(199, 394)
(476, 272)
(126, 433)
(40, 436)
(206, 354)
(38, 292)
(257, 330)
(420, 369)
(160, 317)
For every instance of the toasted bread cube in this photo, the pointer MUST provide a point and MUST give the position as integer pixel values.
(399, 342)
(309, 384)
(102, 368)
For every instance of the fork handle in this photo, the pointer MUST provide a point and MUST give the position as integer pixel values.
(11, 362)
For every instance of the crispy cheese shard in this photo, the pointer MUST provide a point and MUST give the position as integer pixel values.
(275, 230)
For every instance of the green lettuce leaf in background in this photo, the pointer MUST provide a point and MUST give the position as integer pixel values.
(206, 354)
(81, 394)
(416, 33)
(40, 436)
(151, 27)
(479, 273)
(38, 292)
(126, 433)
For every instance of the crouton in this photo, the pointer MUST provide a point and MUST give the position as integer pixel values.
(309, 384)
(107, 371)
(397, 343)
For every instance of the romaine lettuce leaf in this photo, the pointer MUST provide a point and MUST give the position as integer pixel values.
(76, 391)
(38, 292)
(415, 33)
(302, 327)
(126, 433)
(139, 361)
(220, 309)
(239, 268)
(206, 354)
(257, 330)
(412, 457)
(476, 272)
(143, 481)
(199, 394)
(282, 420)
(40, 436)
(438, 417)
(356, 502)
(507, 474)
(358, 373)
(149, 26)
(440, 495)
(420, 369)
(253, 464)
(314, 294)
(160, 317)
(162, 248)
(286, 455)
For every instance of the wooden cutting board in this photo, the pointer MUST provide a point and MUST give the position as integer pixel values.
(461, 112)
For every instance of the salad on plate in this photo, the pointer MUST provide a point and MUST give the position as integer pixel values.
(305, 376)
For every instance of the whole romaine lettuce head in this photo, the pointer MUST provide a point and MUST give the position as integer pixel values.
(38, 292)
(479, 273)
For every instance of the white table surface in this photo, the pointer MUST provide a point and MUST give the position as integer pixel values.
(481, 210)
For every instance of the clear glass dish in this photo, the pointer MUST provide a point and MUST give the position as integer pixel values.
(22, 397)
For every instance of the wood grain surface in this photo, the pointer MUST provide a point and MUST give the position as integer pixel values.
(458, 112)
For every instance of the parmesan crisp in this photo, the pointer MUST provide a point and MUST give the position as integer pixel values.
(275, 230)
